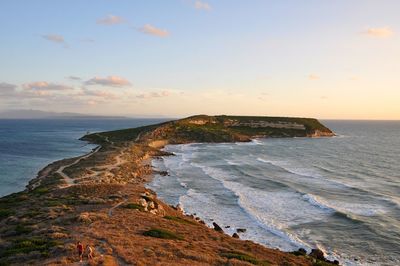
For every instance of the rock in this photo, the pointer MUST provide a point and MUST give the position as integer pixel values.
(241, 230)
(217, 228)
(336, 262)
(163, 173)
(150, 205)
(228, 226)
(318, 254)
(302, 251)
(142, 202)
(235, 235)
(179, 207)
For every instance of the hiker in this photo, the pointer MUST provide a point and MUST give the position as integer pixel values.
(79, 246)
(89, 251)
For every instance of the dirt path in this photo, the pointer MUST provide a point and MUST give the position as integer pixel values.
(67, 179)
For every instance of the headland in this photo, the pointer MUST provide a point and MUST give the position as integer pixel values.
(100, 199)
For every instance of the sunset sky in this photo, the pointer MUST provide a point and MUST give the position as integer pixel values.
(326, 59)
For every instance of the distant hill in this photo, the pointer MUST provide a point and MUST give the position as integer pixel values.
(203, 128)
(37, 114)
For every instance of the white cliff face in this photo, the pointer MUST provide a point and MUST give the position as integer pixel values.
(319, 133)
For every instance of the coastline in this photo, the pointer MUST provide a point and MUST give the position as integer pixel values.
(108, 207)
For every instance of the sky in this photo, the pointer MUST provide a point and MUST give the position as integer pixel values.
(336, 59)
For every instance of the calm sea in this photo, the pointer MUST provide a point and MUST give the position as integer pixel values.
(339, 194)
(26, 146)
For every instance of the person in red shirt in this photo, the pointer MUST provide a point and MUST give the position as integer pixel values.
(79, 246)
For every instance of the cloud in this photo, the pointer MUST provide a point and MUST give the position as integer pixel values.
(313, 77)
(149, 95)
(384, 32)
(99, 94)
(75, 78)
(54, 38)
(113, 81)
(45, 86)
(149, 29)
(7, 89)
(110, 20)
(202, 5)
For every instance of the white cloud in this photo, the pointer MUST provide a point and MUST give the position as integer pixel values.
(75, 78)
(99, 93)
(149, 29)
(149, 95)
(202, 5)
(46, 86)
(313, 77)
(54, 38)
(113, 81)
(7, 89)
(111, 20)
(384, 32)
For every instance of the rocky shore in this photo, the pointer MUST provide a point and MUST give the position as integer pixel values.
(100, 199)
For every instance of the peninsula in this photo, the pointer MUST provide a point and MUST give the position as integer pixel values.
(100, 199)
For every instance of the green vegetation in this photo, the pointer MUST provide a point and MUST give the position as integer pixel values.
(4, 213)
(27, 245)
(222, 128)
(22, 230)
(179, 220)
(162, 233)
(40, 191)
(243, 257)
(134, 206)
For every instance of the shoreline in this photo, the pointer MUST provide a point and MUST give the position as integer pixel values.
(104, 202)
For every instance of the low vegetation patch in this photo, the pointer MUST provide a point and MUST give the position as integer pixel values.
(134, 206)
(4, 213)
(40, 191)
(162, 233)
(243, 257)
(179, 220)
(27, 245)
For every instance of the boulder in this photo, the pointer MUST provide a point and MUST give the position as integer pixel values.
(217, 228)
(235, 235)
(142, 202)
(317, 254)
(150, 205)
(241, 230)
(302, 251)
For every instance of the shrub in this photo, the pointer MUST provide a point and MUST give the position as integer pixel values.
(243, 257)
(134, 206)
(4, 213)
(27, 245)
(179, 220)
(161, 233)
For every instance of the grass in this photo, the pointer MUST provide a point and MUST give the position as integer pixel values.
(134, 206)
(243, 257)
(40, 191)
(162, 233)
(4, 213)
(27, 245)
(179, 220)
(22, 230)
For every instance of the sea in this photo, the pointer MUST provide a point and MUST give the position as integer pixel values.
(338, 194)
(26, 146)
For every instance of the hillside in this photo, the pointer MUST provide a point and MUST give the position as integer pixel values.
(203, 128)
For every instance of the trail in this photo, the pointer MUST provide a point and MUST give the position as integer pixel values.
(67, 179)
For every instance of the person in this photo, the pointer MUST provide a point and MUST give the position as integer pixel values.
(79, 247)
(89, 250)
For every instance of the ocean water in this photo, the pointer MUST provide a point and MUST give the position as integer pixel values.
(339, 194)
(26, 146)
